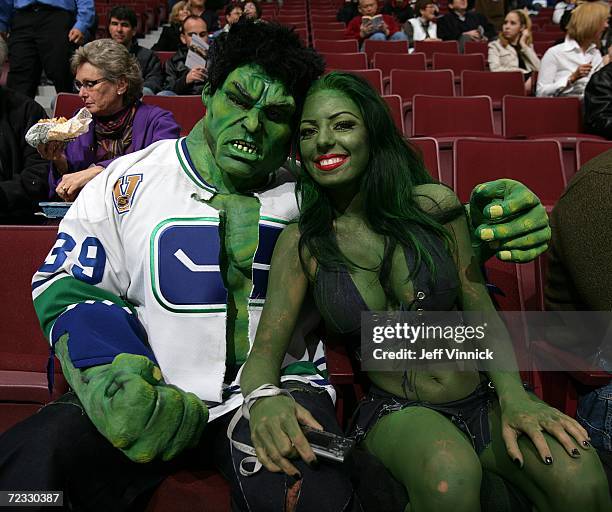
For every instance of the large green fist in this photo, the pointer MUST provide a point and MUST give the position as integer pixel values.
(509, 221)
(133, 408)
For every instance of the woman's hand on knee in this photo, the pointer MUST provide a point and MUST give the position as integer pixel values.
(532, 418)
(277, 436)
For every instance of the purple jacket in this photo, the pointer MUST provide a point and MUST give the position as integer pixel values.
(151, 124)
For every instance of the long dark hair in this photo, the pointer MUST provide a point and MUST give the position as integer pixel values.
(387, 188)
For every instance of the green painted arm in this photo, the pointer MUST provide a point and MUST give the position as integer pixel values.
(133, 408)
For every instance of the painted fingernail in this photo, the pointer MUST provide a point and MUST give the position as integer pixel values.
(487, 234)
(548, 461)
(505, 255)
(496, 211)
(518, 463)
(586, 444)
(575, 452)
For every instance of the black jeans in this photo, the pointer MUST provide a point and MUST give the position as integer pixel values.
(39, 40)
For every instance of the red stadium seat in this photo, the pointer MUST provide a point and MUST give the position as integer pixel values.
(23, 350)
(67, 104)
(559, 118)
(328, 34)
(458, 63)
(389, 61)
(481, 47)
(540, 47)
(447, 116)
(431, 47)
(344, 61)
(494, 84)
(430, 152)
(407, 83)
(329, 25)
(372, 76)
(589, 149)
(536, 163)
(548, 36)
(394, 102)
(371, 47)
(187, 110)
(339, 46)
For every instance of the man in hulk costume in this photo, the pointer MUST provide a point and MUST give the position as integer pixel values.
(152, 293)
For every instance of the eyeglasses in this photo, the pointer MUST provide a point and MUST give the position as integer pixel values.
(88, 84)
(202, 34)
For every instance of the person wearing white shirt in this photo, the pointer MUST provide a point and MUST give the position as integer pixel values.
(423, 27)
(567, 67)
(560, 8)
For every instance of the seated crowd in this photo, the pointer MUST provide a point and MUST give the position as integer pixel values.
(111, 75)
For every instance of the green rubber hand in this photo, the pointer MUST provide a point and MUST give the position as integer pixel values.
(133, 408)
(509, 221)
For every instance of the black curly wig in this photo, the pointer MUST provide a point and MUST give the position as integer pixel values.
(276, 48)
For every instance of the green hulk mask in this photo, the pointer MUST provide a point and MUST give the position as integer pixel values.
(244, 137)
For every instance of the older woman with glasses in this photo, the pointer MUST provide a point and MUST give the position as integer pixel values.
(109, 82)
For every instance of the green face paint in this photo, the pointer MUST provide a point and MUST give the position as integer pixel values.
(333, 139)
(248, 123)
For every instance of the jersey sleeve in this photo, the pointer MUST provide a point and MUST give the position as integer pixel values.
(81, 286)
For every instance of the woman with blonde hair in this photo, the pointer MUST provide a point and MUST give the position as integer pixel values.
(513, 51)
(170, 38)
(567, 67)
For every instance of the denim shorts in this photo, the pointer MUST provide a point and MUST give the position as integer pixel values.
(595, 415)
(469, 414)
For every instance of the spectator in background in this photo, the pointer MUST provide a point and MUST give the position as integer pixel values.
(423, 27)
(567, 67)
(42, 33)
(361, 30)
(252, 10)
(463, 25)
(170, 38)
(179, 78)
(122, 29)
(348, 11)
(399, 9)
(561, 8)
(598, 103)
(202, 9)
(109, 82)
(233, 13)
(513, 50)
(23, 173)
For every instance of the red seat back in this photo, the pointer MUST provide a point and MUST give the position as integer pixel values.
(428, 147)
(431, 47)
(536, 163)
(328, 34)
(187, 110)
(496, 85)
(530, 116)
(446, 116)
(67, 104)
(370, 47)
(339, 46)
(372, 76)
(588, 149)
(458, 63)
(344, 61)
(407, 83)
(394, 102)
(388, 61)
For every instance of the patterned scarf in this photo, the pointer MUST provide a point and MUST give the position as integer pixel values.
(114, 133)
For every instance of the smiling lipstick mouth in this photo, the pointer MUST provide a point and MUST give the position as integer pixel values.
(330, 162)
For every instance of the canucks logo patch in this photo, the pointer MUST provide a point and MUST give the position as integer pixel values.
(124, 192)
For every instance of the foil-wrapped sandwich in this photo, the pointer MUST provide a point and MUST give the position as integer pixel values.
(59, 129)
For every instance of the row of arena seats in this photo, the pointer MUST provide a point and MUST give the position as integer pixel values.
(442, 117)
(24, 353)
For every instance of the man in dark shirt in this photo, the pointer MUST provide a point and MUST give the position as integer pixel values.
(598, 103)
(179, 78)
(122, 28)
(463, 25)
(23, 173)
